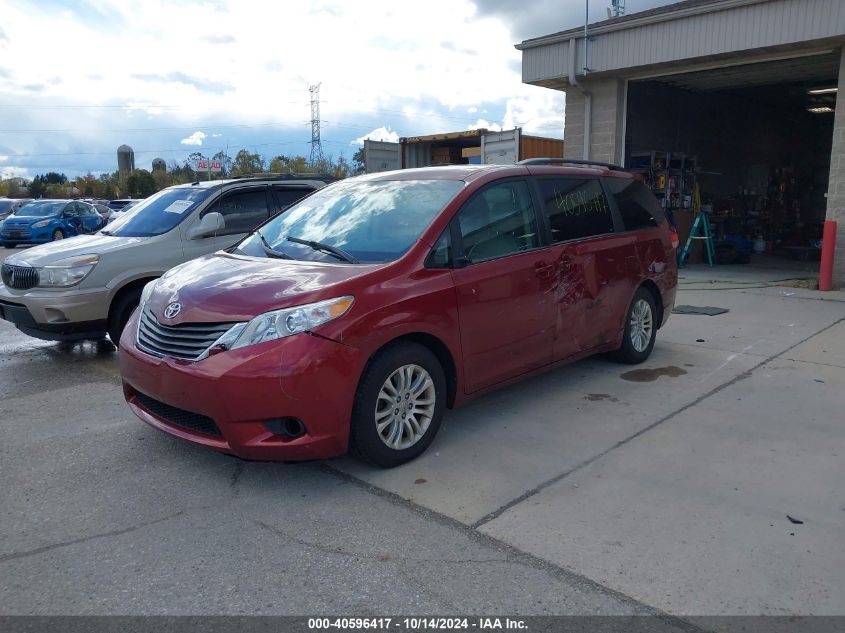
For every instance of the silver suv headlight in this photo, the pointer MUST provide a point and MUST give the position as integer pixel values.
(281, 323)
(66, 272)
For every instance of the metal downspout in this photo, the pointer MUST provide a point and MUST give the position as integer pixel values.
(588, 100)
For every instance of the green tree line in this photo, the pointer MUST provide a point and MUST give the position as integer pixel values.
(142, 183)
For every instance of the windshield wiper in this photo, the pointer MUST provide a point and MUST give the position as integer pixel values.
(104, 232)
(269, 249)
(331, 250)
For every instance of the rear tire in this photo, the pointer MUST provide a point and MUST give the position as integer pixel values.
(120, 312)
(399, 405)
(640, 330)
(58, 235)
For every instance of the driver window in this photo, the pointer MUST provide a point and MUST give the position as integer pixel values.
(499, 221)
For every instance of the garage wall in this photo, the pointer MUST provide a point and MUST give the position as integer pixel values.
(608, 103)
(701, 32)
(836, 187)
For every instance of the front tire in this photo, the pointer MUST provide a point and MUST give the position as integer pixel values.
(8, 245)
(120, 312)
(58, 235)
(399, 405)
(640, 330)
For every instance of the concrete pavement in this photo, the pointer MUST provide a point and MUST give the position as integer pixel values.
(594, 488)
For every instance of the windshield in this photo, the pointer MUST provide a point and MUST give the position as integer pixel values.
(366, 222)
(159, 213)
(40, 209)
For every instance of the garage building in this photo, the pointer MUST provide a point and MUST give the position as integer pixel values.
(725, 105)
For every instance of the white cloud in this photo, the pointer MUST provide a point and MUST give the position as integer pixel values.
(399, 78)
(14, 171)
(379, 134)
(481, 123)
(194, 139)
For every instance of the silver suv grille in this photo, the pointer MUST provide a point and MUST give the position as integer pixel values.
(186, 340)
(19, 277)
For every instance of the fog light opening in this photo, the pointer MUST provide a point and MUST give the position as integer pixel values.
(287, 427)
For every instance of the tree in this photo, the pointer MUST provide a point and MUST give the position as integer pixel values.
(225, 163)
(89, 186)
(289, 164)
(358, 164)
(140, 184)
(247, 163)
(39, 184)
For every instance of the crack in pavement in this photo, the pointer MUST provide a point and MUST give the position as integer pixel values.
(381, 558)
(40, 550)
(539, 488)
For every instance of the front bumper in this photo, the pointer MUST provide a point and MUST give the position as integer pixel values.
(26, 235)
(304, 376)
(56, 315)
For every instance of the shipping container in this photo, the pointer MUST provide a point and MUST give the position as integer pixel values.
(462, 148)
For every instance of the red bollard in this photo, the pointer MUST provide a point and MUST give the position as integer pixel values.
(828, 247)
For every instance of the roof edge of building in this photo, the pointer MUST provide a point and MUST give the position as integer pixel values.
(642, 18)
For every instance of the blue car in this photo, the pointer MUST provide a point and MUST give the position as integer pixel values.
(48, 220)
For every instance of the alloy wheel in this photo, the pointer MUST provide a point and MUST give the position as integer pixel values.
(405, 407)
(641, 325)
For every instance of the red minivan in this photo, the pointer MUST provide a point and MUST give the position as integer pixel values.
(353, 319)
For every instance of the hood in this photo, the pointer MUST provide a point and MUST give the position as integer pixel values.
(226, 288)
(50, 252)
(26, 220)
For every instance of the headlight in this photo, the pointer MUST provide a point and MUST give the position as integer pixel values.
(41, 224)
(281, 323)
(146, 292)
(66, 272)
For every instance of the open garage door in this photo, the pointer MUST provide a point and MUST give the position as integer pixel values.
(751, 141)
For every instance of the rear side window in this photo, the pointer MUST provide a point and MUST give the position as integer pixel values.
(286, 196)
(637, 205)
(576, 208)
(241, 211)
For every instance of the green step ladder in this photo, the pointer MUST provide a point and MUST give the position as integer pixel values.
(700, 231)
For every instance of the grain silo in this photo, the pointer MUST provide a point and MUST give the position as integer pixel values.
(125, 161)
(159, 165)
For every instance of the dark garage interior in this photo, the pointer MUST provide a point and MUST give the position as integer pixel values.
(749, 143)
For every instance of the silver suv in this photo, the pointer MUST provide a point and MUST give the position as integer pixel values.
(87, 286)
(8, 206)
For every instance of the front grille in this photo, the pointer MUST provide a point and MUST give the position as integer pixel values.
(186, 340)
(19, 277)
(15, 234)
(179, 417)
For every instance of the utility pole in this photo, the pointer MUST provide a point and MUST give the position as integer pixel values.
(316, 145)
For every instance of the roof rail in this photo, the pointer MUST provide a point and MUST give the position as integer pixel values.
(287, 176)
(569, 161)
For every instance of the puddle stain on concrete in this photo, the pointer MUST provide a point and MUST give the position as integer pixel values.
(597, 397)
(650, 375)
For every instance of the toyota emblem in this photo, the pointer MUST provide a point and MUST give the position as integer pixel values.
(172, 310)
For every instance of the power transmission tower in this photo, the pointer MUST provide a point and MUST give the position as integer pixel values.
(316, 145)
(618, 7)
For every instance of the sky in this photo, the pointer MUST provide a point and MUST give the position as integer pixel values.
(170, 77)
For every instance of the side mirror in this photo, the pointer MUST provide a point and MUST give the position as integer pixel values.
(211, 224)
